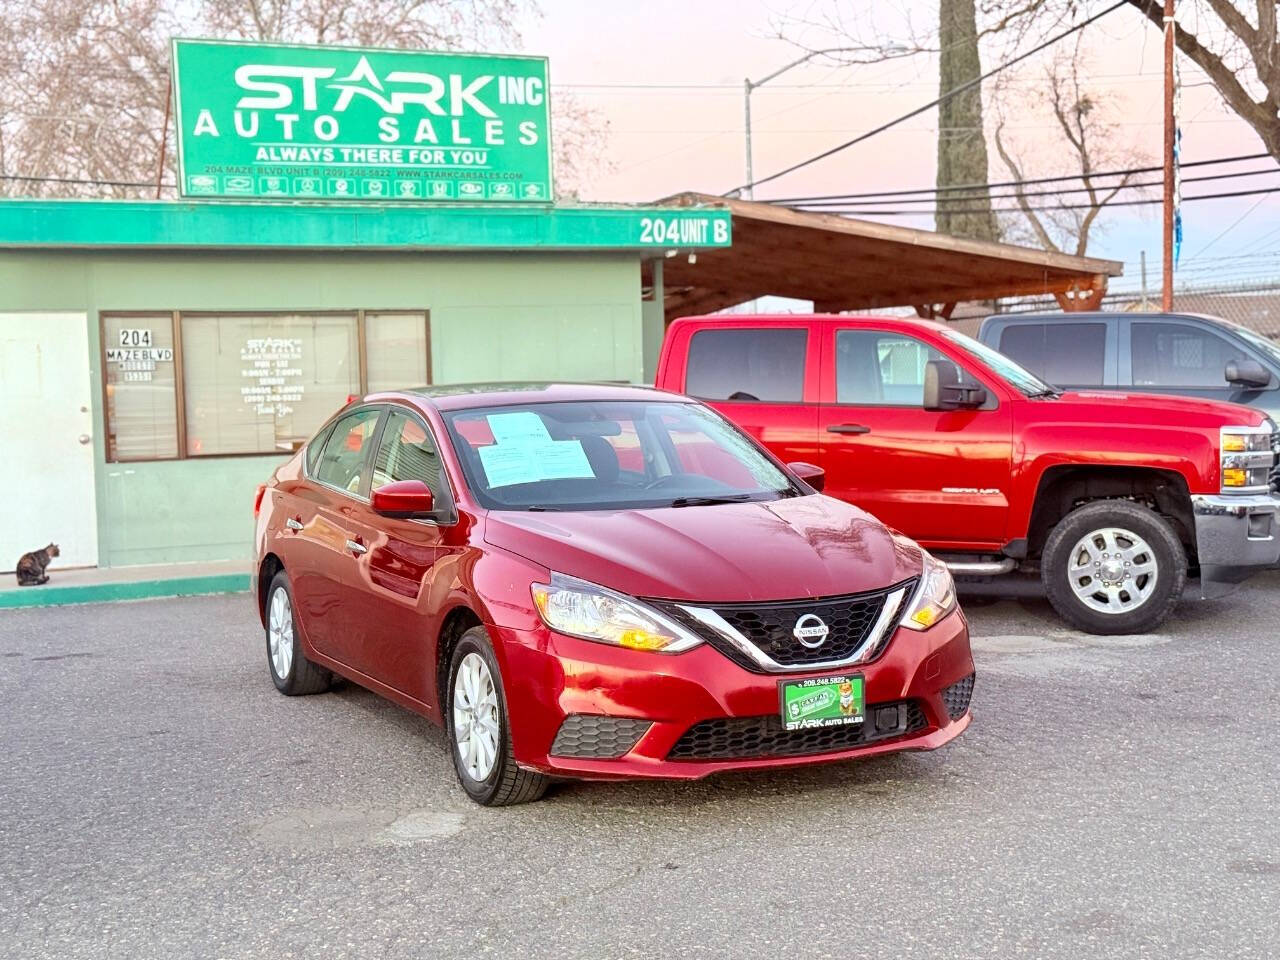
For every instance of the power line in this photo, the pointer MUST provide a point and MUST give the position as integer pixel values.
(1065, 206)
(1012, 183)
(955, 91)
(1136, 185)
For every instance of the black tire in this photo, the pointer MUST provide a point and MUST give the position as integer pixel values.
(506, 783)
(1166, 550)
(303, 677)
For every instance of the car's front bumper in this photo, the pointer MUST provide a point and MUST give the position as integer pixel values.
(554, 677)
(1236, 536)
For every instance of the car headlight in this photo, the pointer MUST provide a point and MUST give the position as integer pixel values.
(1247, 458)
(934, 598)
(582, 609)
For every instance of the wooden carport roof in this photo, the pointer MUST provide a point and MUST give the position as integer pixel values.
(843, 264)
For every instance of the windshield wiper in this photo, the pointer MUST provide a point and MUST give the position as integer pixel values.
(706, 501)
(539, 508)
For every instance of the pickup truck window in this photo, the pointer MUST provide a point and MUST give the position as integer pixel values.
(747, 364)
(877, 368)
(1064, 353)
(1179, 355)
(1021, 380)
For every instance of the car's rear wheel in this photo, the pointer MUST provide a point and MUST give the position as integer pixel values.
(292, 673)
(479, 729)
(1114, 566)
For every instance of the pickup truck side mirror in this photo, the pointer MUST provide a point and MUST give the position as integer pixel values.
(943, 389)
(1247, 373)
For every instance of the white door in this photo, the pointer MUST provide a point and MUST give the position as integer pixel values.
(46, 431)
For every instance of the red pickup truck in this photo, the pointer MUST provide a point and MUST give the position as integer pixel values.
(1112, 498)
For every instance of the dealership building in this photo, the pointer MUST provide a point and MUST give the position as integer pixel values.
(159, 358)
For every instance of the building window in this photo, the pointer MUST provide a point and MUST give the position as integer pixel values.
(191, 384)
(139, 387)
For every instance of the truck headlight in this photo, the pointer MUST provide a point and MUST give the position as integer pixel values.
(934, 598)
(1247, 458)
(591, 612)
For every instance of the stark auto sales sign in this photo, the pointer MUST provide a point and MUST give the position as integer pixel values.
(340, 123)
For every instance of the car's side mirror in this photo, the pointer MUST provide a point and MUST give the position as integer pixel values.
(403, 500)
(810, 473)
(943, 389)
(1247, 373)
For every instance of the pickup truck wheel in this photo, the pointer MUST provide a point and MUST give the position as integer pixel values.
(1112, 567)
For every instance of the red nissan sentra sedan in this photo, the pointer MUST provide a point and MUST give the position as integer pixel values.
(598, 581)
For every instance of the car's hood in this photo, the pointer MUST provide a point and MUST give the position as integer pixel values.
(811, 546)
(1152, 409)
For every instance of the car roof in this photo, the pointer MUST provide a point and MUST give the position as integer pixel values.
(1064, 316)
(800, 319)
(464, 396)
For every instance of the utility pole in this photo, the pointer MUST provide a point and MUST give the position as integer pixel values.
(1166, 291)
(748, 85)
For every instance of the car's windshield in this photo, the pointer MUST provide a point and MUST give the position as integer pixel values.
(1020, 378)
(604, 455)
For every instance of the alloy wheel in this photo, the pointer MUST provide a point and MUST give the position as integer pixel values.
(280, 633)
(1112, 570)
(475, 717)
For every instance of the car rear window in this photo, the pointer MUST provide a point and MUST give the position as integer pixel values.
(747, 364)
(1064, 354)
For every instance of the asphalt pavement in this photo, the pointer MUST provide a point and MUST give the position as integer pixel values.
(1114, 797)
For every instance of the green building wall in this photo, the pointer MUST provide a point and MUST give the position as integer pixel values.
(493, 317)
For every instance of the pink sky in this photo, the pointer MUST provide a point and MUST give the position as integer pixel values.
(689, 135)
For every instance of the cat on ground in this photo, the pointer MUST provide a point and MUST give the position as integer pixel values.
(32, 566)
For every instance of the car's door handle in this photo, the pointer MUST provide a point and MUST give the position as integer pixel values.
(293, 524)
(357, 547)
(848, 428)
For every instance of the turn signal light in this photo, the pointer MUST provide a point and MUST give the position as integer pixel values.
(1234, 443)
(1235, 477)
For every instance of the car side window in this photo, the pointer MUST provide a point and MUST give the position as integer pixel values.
(877, 368)
(1064, 354)
(1179, 355)
(346, 452)
(747, 364)
(407, 452)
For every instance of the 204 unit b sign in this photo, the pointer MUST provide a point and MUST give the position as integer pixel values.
(339, 123)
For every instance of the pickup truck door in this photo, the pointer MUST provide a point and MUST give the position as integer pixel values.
(763, 376)
(941, 477)
(1184, 357)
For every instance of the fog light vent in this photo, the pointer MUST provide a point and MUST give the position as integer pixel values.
(957, 696)
(590, 735)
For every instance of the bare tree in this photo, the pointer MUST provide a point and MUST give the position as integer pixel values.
(85, 84)
(1238, 50)
(1086, 139)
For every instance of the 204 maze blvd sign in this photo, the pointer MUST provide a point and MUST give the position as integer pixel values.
(341, 123)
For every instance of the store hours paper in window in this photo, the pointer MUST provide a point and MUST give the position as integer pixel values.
(272, 368)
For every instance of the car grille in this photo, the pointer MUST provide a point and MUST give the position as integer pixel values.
(746, 738)
(589, 735)
(770, 626)
(957, 696)
(1274, 477)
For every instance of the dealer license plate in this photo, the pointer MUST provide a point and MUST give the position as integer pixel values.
(822, 702)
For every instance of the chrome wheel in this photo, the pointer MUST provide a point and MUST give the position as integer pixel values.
(475, 717)
(280, 633)
(1112, 570)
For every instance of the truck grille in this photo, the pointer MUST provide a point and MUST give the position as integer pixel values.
(770, 627)
(748, 738)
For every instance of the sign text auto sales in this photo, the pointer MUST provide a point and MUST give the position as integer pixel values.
(335, 123)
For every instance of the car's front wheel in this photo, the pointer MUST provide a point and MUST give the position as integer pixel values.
(1114, 566)
(478, 727)
(291, 671)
